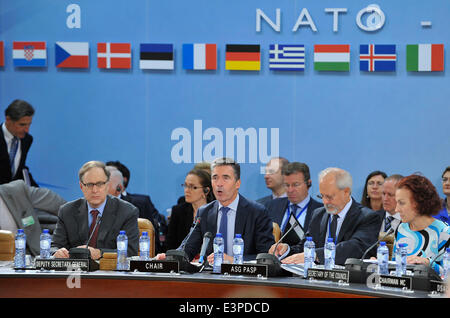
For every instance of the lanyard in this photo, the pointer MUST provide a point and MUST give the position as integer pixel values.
(288, 215)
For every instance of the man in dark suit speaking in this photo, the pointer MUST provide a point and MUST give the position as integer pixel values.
(15, 141)
(231, 214)
(77, 218)
(353, 227)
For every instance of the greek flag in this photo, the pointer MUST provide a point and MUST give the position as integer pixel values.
(287, 57)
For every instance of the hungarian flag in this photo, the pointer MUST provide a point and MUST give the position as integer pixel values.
(32, 54)
(425, 57)
(2, 54)
(242, 57)
(72, 54)
(332, 57)
(114, 55)
(154, 56)
(199, 56)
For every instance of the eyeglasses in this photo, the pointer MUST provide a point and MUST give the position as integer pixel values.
(326, 197)
(294, 185)
(90, 185)
(190, 187)
(372, 183)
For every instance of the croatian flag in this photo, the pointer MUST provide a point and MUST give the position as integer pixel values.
(199, 56)
(32, 54)
(377, 57)
(72, 54)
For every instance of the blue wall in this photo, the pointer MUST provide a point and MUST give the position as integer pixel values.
(396, 122)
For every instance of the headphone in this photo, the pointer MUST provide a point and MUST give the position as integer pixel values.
(118, 189)
(206, 190)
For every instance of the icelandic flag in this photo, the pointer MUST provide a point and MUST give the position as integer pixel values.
(72, 54)
(32, 54)
(199, 56)
(284, 57)
(377, 57)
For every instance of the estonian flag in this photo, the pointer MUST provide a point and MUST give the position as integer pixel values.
(156, 56)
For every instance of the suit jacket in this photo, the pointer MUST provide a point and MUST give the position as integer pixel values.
(382, 214)
(5, 167)
(277, 209)
(358, 232)
(265, 200)
(181, 220)
(147, 211)
(22, 201)
(72, 229)
(252, 221)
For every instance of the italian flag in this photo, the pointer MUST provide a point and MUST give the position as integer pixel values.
(425, 57)
(332, 57)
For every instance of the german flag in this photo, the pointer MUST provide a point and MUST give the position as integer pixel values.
(240, 57)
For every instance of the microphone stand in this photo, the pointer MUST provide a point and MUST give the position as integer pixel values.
(84, 253)
(272, 261)
(180, 256)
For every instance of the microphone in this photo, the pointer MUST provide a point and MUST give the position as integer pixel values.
(206, 239)
(436, 257)
(83, 253)
(284, 235)
(273, 263)
(180, 256)
(391, 230)
(183, 244)
(97, 222)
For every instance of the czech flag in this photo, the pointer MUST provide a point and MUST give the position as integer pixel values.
(72, 54)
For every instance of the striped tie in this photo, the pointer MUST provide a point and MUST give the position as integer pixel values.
(12, 154)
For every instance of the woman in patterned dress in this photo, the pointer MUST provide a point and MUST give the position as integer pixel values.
(427, 237)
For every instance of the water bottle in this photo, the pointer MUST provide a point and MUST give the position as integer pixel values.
(144, 246)
(400, 259)
(21, 243)
(219, 246)
(45, 244)
(310, 255)
(383, 259)
(446, 264)
(238, 249)
(330, 250)
(122, 245)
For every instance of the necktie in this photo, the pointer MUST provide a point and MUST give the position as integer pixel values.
(223, 228)
(93, 242)
(12, 154)
(333, 227)
(387, 223)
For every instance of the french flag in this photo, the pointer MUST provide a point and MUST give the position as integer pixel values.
(32, 54)
(199, 56)
(72, 54)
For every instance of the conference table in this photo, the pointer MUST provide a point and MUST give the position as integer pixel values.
(110, 284)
